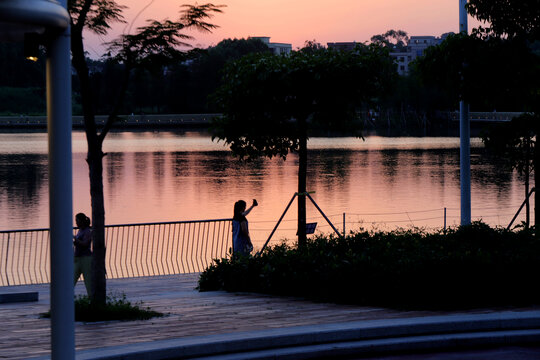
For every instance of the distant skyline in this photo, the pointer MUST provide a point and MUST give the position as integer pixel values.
(296, 21)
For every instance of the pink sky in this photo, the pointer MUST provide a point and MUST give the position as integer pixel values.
(295, 21)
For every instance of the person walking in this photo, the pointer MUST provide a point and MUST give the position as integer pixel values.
(83, 253)
(242, 244)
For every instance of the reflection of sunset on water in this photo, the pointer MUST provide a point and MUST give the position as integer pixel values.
(166, 176)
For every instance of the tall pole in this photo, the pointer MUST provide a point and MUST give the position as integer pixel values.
(60, 194)
(465, 138)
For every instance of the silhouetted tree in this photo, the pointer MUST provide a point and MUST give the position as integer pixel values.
(201, 75)
(312, 45)
(489, 73)
(22, 82)
(395, 40)
(508, 18)
(516, 20)
(270, 103)
(516, 142)
(152, 45)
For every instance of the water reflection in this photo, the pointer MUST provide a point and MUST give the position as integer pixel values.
(152, 177)
(23, 185)
(114, 170)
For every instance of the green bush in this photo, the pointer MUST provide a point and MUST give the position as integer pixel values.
(117, 307)
(469, 266)
(30, 101)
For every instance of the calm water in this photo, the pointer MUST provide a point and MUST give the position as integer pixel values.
(168, 176)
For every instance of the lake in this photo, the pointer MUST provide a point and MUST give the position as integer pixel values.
(156, 176)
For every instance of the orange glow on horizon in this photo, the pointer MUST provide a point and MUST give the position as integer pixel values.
(296, 21)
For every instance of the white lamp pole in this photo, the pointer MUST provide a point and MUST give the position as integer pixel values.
(465, 138)
(59, 125)
(49, 20)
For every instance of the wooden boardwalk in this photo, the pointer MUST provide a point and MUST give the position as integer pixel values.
(189, 313)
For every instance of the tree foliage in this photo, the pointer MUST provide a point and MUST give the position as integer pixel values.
(158, 43)
(192, 82)
(96, 15)
(512, 18)
(488, 73)
(516, 142)
(312, 45)
(395, 40)
(517, 20)
(264, 97)
(22, 82)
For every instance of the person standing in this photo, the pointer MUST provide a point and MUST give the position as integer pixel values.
(83, 253)
(242, 244)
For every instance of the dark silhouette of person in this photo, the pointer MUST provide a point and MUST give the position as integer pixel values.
(242, 244)
(83, 253)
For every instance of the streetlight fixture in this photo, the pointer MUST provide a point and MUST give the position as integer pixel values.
(31, 46)
(49, 20)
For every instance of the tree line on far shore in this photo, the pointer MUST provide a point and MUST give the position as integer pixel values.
(494, 75)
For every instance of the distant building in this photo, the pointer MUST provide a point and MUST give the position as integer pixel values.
(415, 48)
(277, 48)
(402, 59)
(417, 44)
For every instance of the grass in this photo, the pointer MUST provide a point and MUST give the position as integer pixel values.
(464, 267)
(117, 307)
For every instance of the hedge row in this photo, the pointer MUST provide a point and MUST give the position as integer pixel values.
(464, 267)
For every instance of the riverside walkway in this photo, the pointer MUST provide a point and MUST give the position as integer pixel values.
(208, 321)
(124, 121)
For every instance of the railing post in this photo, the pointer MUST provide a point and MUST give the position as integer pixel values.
(7, 257)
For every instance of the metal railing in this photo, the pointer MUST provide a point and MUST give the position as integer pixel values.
(434, 219)
(25, 121)
(133, 250)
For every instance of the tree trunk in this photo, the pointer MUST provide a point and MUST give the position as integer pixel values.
(302, 175)
(527, 204)
(536, 162)
(527, 172)
(95, 165)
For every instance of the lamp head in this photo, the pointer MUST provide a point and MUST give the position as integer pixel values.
(31, 46)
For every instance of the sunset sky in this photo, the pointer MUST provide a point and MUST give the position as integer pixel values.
(295, 21)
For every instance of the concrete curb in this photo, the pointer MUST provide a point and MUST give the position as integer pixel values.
(394, 335)
(431, 343)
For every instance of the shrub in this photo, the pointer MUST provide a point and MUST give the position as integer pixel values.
(116, 307)
(467, 266)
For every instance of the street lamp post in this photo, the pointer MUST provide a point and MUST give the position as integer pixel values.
(49, 20)
(465, 138)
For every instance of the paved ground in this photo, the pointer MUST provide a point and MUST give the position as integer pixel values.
(189, 314)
